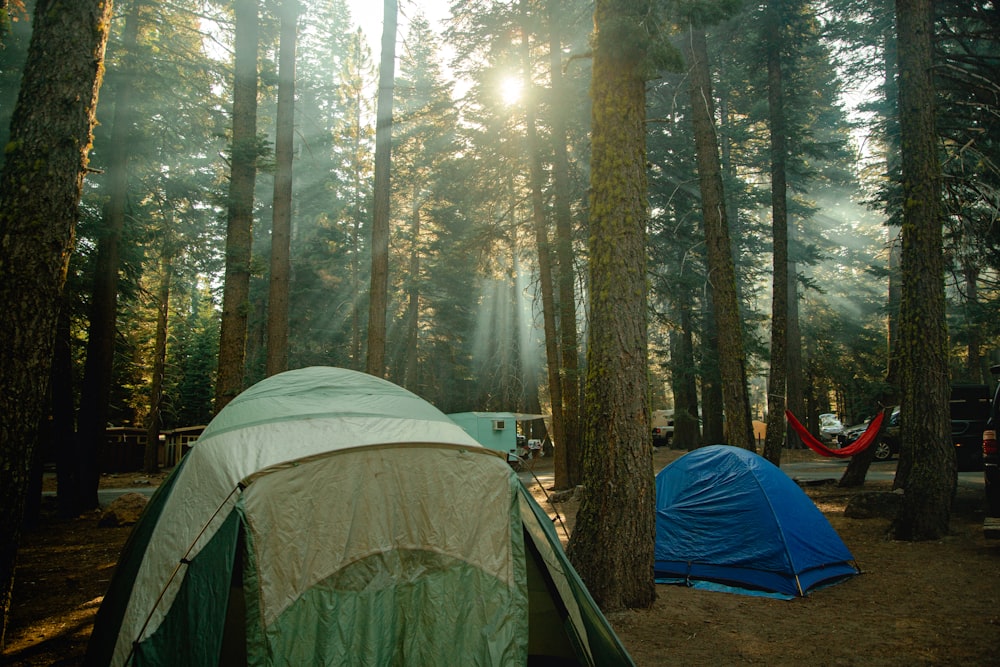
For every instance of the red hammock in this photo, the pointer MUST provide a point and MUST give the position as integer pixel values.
(869, 436)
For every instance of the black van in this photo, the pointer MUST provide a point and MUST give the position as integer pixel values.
(970, 412)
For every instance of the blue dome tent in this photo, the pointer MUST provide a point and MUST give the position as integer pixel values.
(726, 517)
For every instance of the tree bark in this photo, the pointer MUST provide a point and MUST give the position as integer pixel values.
(40, 187)
(777, 376)
(713, 426)
(151, 458)
(892, 160)
(378, 294)
(410, 379)
(63, 433)
(612, 544)
(281, 210)
(239, 221)
(857, 468)
(687, 433)
(927, 468)
(795, 385)
(541, 227)
(567, 468)
(973, 366)
(722, 273)
(99, 366)
(358, 206)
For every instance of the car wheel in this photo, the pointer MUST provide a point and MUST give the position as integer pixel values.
(883, 452)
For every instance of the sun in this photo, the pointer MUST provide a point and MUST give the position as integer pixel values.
(510, 90)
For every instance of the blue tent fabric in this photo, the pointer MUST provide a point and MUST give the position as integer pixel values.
(725, 515)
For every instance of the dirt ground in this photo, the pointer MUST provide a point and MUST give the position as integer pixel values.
(929, 603)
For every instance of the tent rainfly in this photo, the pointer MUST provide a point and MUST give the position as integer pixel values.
(328, 517)
(728, 518)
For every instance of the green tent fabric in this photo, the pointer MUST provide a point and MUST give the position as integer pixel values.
(327, 517)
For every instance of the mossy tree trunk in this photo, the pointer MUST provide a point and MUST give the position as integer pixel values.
(612, 544)
(927, 469)
(40, 187)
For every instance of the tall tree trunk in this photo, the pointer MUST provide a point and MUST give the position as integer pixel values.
(713, 426)
(927, 460)
(40, 187)
(712, 402)
(98, 368)
(566, 466)
(612, 544)
(358, 206)
(239, 222)
(512, 361)
(151, 460)
(378, 301)
(722, 273)
(892, 160)
(973, 365)
(687, 434)
(795, 387)
(541, 226)
(281, 226)
(67, 453)
(410, 376)
(857, 468)
(777, 379)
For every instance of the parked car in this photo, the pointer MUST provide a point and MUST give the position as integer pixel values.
(991, 453)
(969, 410)
(663, 427)
(887, 445)
(829, 426)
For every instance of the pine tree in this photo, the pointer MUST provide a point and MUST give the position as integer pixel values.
(281, 227)
(236, 303)
(378, 292)
(927, 459)
(611, 545)
(40, 188)
(93, 414)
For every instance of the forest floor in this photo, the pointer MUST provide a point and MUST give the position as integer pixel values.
(926, 603)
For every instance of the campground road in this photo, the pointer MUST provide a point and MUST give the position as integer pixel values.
(879, 471)
(805, 471)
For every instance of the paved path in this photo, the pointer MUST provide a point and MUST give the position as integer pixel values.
(801, 471)
(807, 471)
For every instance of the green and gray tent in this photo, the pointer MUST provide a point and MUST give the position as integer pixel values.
(328, 517)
